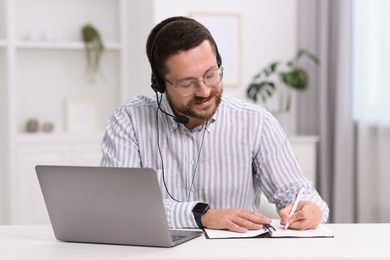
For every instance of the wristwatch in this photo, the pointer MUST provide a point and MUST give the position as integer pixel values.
(199, 210)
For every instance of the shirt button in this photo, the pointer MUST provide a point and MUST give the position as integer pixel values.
(192, 162)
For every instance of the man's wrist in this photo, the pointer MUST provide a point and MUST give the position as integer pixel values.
(198, 211)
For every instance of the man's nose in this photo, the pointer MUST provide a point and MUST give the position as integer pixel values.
(202, 90)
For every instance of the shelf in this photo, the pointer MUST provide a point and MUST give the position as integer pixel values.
(42, 66)
(61, 46)
(41, 138)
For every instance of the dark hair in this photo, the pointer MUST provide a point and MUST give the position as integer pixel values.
(173, 35)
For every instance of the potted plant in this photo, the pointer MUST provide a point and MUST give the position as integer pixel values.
(281, 78)
(93, 48)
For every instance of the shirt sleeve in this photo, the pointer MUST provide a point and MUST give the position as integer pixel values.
(119, 145)
(278, 171)
(179, 214)
(121, 149)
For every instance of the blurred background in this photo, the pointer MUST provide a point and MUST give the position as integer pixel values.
(66, 65)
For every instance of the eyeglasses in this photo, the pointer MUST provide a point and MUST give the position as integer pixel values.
(188, 87)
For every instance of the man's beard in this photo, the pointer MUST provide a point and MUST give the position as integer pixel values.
(188, 110)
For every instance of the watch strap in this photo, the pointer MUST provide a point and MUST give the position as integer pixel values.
(199, 210)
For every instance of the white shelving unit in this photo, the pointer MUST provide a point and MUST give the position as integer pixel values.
(61, 46)
(39, 75)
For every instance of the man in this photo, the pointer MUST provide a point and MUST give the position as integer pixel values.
(214, 155)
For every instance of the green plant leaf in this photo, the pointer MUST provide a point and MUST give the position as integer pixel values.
(93, 48)
(297, 78)
(290, 76)
(265, 89)
(270, 69)
(302, 52)
(252, 91)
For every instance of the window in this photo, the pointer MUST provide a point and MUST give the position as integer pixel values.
(371, 60)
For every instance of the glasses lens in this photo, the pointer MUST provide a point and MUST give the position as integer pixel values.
(210, 79)
(187, 87)
(213, 77)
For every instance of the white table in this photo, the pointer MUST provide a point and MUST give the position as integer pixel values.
(351, 241)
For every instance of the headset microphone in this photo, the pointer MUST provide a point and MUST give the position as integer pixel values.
(182, 119)
(178, 119)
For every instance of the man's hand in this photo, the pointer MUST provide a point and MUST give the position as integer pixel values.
(237, 220)
(307, 216)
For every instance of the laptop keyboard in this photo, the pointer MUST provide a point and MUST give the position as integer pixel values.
(182, 235)
(175, 238)
(176, 235)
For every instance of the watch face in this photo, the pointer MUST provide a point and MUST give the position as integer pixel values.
(201, 207)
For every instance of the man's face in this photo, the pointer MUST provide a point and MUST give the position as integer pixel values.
(193, 64)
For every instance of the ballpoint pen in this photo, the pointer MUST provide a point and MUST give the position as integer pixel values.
(297, 199)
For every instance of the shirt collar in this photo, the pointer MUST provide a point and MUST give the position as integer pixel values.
(165, 106)
(174, 125)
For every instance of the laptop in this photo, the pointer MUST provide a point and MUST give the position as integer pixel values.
(107, 205)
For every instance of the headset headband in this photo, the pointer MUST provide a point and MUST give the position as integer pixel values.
(157, 83)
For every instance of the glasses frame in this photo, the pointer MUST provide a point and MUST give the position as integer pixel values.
(178, 87)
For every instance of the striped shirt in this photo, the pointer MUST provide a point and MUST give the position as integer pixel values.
(227, 162)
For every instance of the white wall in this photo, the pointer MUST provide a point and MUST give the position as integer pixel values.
(140, 20)
(268, 29)
(268, 34)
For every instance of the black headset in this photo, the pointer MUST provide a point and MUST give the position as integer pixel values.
(157, 83)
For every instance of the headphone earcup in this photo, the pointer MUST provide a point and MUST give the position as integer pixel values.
(155, 84)
(219, 58)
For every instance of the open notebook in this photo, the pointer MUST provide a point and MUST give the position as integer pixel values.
(276, 231)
